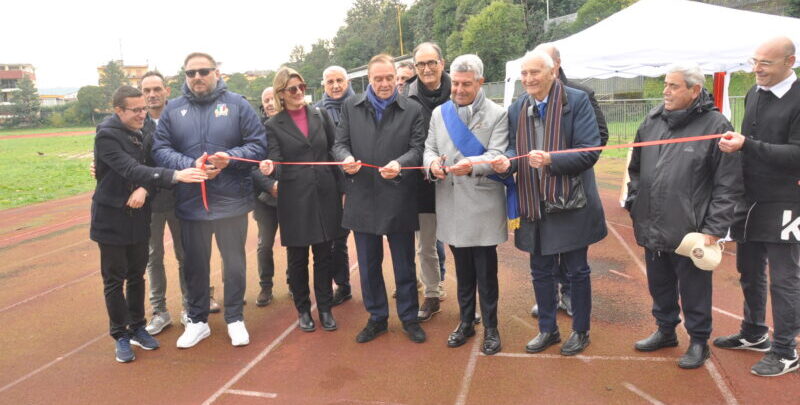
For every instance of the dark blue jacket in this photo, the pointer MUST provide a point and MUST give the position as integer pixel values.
(570, 230)
(219, 122)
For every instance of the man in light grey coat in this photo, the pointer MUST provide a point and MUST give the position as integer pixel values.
(471, 217)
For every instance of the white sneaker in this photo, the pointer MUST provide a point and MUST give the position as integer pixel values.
(194, 333)
(238, 334)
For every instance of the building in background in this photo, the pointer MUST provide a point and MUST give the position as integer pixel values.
(133, 73)
(10, 75)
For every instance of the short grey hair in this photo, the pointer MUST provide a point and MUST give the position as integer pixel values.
(266, 90)
(468, 63)
(691, 72)
(424, 44)
(538, 54)
(334, 68)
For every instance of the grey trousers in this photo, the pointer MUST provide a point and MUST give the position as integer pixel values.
(427, 255)
(231, 235)
(784, 287)
(155, 264)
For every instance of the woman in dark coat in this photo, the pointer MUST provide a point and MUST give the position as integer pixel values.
(121, 216)
(309, 199)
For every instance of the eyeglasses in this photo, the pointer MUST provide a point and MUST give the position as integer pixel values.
(765, 63)
(294, 89)
(430, 64)
(203, 72)
(137, 110)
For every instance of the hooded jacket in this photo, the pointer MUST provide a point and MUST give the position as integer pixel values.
(221, 121)
(120, 169)
(682, 187)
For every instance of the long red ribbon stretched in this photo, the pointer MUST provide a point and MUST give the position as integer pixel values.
(575, 150)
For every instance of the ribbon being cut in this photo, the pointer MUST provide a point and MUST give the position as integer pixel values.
(594, 148)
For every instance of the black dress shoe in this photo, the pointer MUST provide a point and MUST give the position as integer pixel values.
(576, 343)
(695, 356)
(491, 341)
(327, 321)
(264, 297)
(306, 322)
(458, 337)
(414, 331)
(657, 341)
(341, 295)
(372, 330)
(542, 341)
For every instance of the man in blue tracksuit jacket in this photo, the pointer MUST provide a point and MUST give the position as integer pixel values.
(209, 121)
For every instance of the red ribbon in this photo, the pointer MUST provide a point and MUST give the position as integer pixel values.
(575, 150)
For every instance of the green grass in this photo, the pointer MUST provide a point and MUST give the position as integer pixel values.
(28, 131)
(42, 169)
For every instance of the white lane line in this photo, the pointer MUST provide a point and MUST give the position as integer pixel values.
(253, 393)
(730, 399)
(56, 288)
(48, 365)
(621, 274)
(583, 357)
(524, 322)
(723, 388)
(473, 359)
(267, 350)
(632, 388)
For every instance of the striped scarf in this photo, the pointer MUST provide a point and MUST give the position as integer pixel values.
(536, 184)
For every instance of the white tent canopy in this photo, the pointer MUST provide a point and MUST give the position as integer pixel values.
(643, 39)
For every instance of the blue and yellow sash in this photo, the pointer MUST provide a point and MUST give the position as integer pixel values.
(469, 145)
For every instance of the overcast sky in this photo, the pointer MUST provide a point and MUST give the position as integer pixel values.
(67, 40)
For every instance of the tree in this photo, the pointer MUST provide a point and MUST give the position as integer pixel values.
(370, 28)
(793, 8)
(486, 34)
(176, 84)
(112, 78)
(237, 83)
(26, 103)
(91, 99)
(596, 10)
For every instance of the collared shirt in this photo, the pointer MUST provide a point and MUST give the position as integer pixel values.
(782, 87)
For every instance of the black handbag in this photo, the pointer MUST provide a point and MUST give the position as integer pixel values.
(577, 198)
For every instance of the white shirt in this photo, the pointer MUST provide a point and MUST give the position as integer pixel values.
(780, 89)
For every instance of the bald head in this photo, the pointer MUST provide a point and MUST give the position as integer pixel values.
(772, 62)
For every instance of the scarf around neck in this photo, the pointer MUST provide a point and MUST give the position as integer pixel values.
(379, 104)
(466, 112)
(334, 105)
(434, 98)
(538, 184)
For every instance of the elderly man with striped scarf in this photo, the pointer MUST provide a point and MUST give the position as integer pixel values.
(559, 207)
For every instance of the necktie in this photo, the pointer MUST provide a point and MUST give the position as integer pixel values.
(542, 109)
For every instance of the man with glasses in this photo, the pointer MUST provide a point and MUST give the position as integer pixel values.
(204, 128)
(430, 89)
(769, 229)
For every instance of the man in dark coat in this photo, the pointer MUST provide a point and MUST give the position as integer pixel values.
(676, 189)
(337, 91)
(565, 303)
(560, 209)
(770, 230)
(430, 88)
(121, 217)
(208, 125)
(383, 128)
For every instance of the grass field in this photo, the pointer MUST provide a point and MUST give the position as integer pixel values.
(48, 130)
(41, 169)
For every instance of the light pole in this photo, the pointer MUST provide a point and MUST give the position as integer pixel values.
(400, 29)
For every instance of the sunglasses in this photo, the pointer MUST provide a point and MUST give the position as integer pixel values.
(294, 89)
(203, 72)
(137, 110)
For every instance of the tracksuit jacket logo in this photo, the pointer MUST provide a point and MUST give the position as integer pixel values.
(790, 227)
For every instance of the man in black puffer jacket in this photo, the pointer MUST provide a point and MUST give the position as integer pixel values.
(676, 189)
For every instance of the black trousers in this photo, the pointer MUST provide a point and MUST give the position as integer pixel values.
(476, 268)
(230, 235)
(784, 287)
(341, 262)
(373, 289)
(670, 275)
(298, 275)
(123, 266)
(266, 218)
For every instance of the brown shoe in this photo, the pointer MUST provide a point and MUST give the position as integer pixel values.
(264, 297)
(429, 307)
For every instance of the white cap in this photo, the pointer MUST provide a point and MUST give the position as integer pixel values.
(705, 257)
